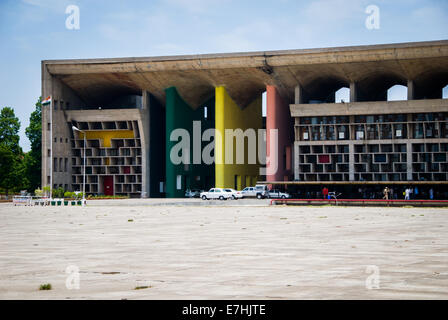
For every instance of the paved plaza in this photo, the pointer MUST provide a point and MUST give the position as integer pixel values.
(192, 249)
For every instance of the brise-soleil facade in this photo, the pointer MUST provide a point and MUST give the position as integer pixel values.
(129, 112)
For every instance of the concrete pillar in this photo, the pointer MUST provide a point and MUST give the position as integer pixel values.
(351, 161)
(296, 161)
(277, 118)
(411, 90)
(298, 94)
(145, 134)
(409, 151)
(47, 90)
(409, 161)
(228, 115)
(353, 92)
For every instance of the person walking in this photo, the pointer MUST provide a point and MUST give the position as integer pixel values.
(325, 192)
(431, 194)
(407, 194)
(386, 193)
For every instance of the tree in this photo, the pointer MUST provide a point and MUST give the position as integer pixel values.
(33, 158)
(9, 130)
(12, 173)
(6, 164)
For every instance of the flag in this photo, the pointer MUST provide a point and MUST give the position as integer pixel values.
(47, 100)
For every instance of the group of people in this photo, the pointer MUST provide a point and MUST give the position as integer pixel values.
(374, 193)
(408, 193)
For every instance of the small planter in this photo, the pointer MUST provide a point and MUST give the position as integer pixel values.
(79, 202)
(59, 202)
(65, 202)
(73, 203)
(53, 203)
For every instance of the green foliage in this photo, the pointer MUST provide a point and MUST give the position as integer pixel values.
(46, 190)
(58, 193)
(38, 192)
(12, 170)
(12, 165)
(77, 196)
(45, 286)
(6, 163)
(70, 195)
(33, 158)
(142, 287)
(9, 130)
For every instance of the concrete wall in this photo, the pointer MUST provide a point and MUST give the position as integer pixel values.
(278, 117)
(61, 96)
(179, 115)
(230, 116)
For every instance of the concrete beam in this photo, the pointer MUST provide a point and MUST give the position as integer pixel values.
(353, 92)
(298, 94)
(411, 90)
(366, 108)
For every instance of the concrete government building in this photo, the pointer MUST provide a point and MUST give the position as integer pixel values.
(127, 108)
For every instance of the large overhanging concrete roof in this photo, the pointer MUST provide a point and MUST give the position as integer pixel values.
(245, 75)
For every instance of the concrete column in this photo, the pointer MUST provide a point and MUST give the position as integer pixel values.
(411, 90)
(250, 117)
(353, 92)
(296, 161)
(298, 94)
(47, 90)
(277, 118)
(409, 149)
(351, 161)
(409, 161)
(145, 134)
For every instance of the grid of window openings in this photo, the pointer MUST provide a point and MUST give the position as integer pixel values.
(122, 160)
(379, 149)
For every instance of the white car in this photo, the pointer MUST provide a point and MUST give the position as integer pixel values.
(216, 193)
(259, 191)
(195, 193)
(249, 192)
(277, 194)
(235, 194)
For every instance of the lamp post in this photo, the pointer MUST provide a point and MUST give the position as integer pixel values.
(84, 167)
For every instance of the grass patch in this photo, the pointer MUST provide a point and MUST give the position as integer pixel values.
(111, 272)
(323, 217)
(142, 287)
(130, 220)
(45, 286)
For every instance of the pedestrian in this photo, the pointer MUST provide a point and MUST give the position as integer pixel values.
(325, 192)
(407, 193)
(386, 193)
(431, 194)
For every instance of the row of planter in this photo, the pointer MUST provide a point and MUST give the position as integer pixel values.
(58, 202)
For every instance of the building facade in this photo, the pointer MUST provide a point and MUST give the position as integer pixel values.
(129, 109)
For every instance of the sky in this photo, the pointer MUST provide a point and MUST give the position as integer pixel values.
(35, 30)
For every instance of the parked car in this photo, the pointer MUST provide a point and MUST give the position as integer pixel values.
(235, 194)
(249, 192)
(261, 191)
(194, 193)
(215, 193)
(277, 194)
